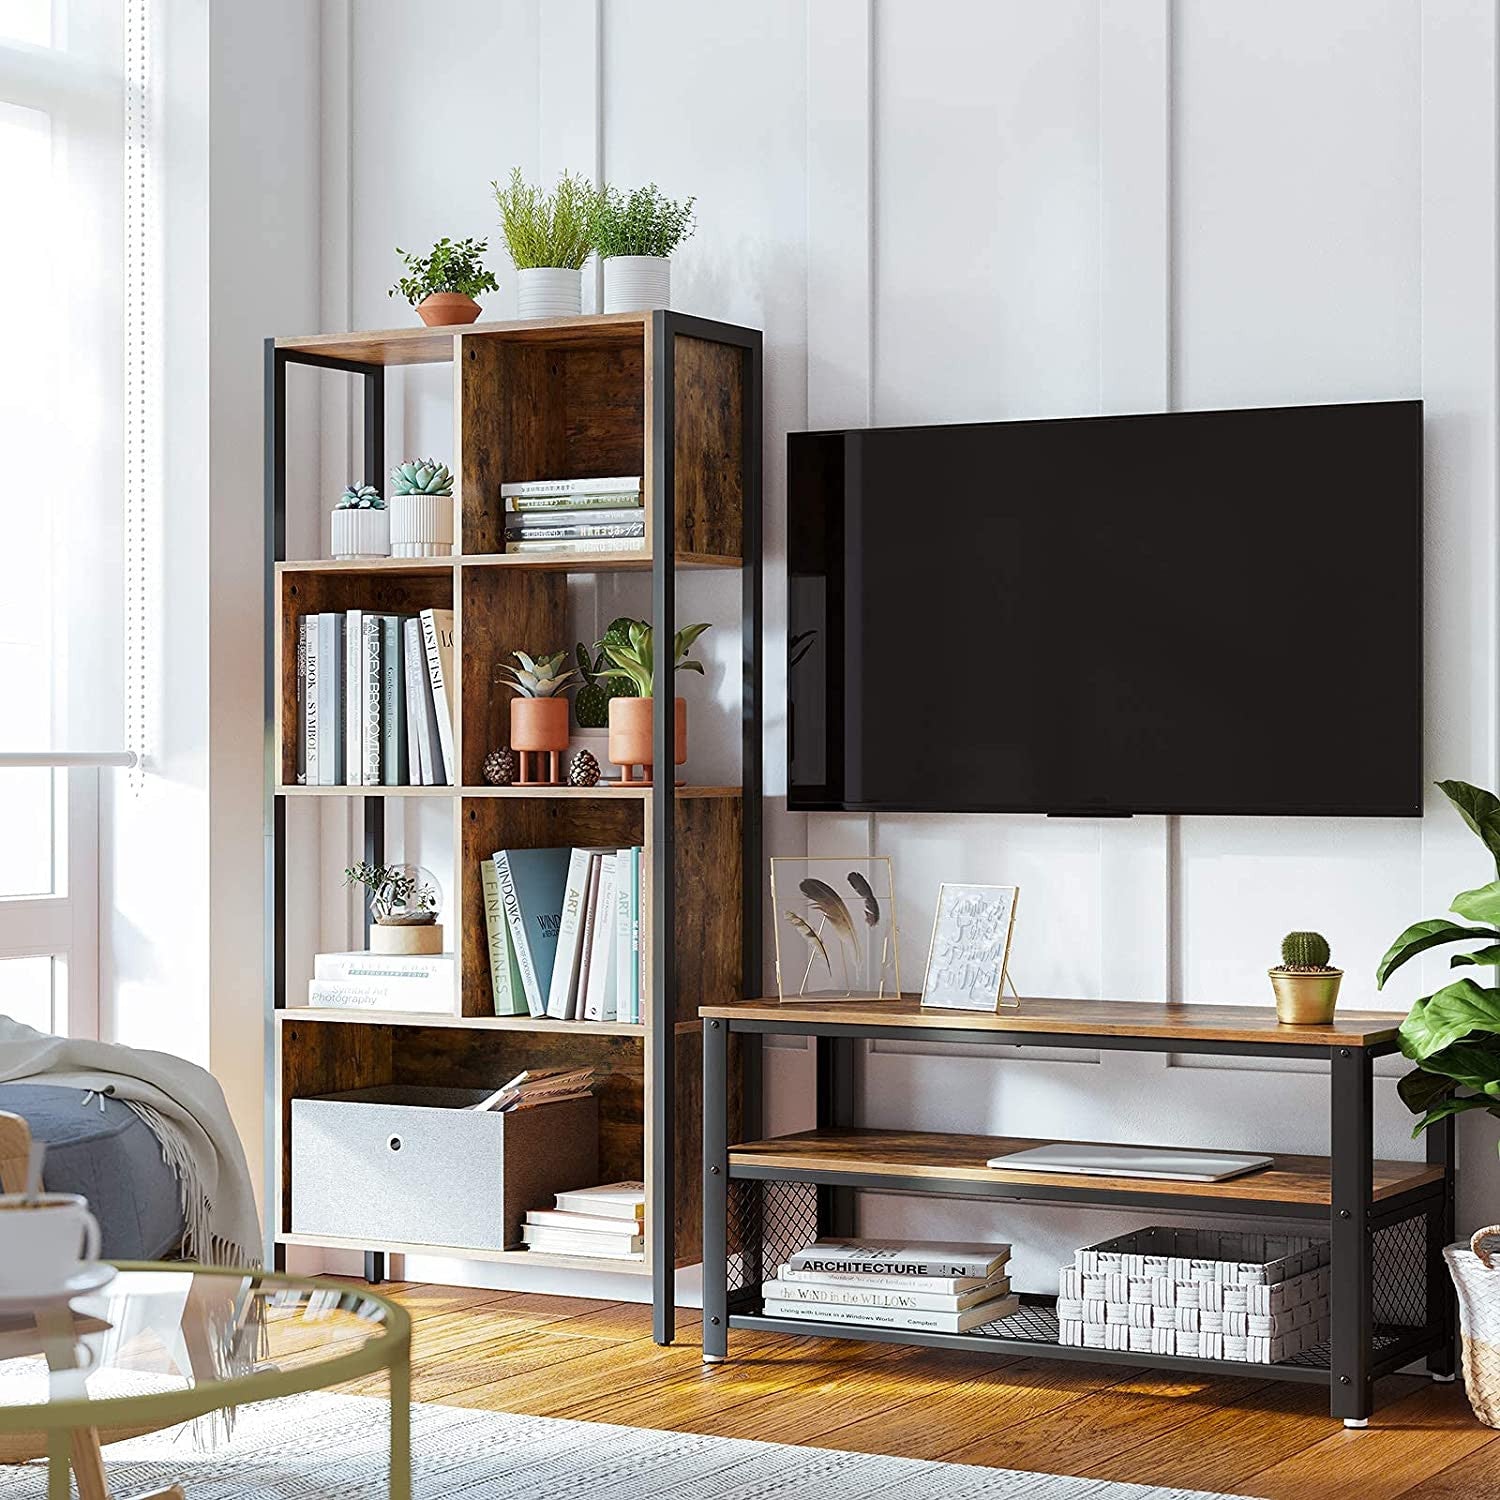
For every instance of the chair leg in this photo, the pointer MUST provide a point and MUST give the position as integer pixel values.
(88, 1465)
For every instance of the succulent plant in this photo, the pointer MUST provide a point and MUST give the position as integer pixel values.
(360, 497)
(1304, 953)
(539, 677)
(591, 701)
(422, 476)
(628, 645)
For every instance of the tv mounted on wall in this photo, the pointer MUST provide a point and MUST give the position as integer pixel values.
(1188, 612)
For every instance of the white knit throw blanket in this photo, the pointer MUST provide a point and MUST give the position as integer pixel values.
(185, 1109)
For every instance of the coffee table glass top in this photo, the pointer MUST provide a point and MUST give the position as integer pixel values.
(164, 1343)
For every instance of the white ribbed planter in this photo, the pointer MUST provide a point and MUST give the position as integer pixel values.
(549, 292)
(361, 533)
(421, 525)
(636, 283)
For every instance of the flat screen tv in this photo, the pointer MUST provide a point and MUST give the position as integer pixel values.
(1189, 612)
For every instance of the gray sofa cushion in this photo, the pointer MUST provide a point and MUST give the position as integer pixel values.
(109, 1156)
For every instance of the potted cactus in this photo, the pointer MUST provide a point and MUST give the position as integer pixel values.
(547, 235)
(635, 234)
(538, 714)
(1305, 985)
(591, 701)
(421, 509)
(628, 646)
(361, 524)
(443, 284)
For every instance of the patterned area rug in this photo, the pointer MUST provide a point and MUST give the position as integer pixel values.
(322, 1447)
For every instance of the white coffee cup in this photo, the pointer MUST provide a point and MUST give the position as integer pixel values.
(44, 1241)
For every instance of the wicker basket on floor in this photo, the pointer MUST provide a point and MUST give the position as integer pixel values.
(1476, 1274)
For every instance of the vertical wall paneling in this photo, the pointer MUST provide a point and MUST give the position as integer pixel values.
(570, 119)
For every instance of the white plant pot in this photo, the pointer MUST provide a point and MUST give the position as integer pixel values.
(549, 292)
(421, 525)
(361, 533)
(596, 741)
(636, 283)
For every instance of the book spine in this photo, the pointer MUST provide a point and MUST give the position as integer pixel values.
(529, 488)
(310, 724)
(382, 968)
(507, 1001)
(437, 637)
(890, 1317)
(330, 699)
(419, 720)
(536, 1003)
(526, 521)
(591, 544)
(393, 766)
(371, 706)
(848, 1296)
(915, 1264)
(586, 942)
(356, 994)
(947, 1286)
(602, 940)
(640, 940)
(301, 701)
(574, 531)
(354, 698)
(565, 965)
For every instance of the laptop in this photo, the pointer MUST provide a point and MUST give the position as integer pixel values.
(1133, 1161)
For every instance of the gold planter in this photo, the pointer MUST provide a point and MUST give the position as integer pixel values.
(413, 937)
(1305, 999)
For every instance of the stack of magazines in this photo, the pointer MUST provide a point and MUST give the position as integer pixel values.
(533, 1086)
(575, 515)
(929, 1285)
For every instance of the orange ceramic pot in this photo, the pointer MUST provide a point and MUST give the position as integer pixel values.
(630, 733)
(442, 308)
(539, 723)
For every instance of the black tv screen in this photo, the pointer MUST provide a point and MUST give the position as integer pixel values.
(1187, 612)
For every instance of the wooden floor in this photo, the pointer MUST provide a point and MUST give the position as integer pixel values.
(594, 1361)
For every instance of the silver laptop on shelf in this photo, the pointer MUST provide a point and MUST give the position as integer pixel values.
(1133, 1161)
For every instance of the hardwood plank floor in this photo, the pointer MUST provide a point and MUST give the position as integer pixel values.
(594, 1361)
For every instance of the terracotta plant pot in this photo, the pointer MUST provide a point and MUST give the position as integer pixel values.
(630, 735)
(538, 728)
(1305, 999)
(442, 308)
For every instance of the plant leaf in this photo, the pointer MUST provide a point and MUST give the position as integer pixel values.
(1480, 810)
(812, 937)
(1475, 1064)
(1481, 904)
(828, 903)
(1419, 1090)
(1421, 936)
(1454, 1106)
(861, 888)
(1452, 1014)
(1490, 955)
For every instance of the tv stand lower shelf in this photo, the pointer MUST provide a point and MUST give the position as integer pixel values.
(1387, 1220)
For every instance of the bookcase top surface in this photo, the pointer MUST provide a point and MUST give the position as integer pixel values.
(1117, 1018)
(421, 345)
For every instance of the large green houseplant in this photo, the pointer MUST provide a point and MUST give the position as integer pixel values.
(1453, 1036)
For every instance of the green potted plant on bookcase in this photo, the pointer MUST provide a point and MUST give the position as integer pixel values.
(361, 523)
(421, 509)
(628, 645)
(635, 234)
(538, 713)
(443, 284)
(548, 237)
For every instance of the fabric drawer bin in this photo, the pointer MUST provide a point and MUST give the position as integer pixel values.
(408, 1165)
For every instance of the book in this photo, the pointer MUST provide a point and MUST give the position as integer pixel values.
(302, 700)
(582, 544)
(437, 638)
(895, 1317)
(372, 994)
(309, 758)
(503, 997)
(613, 1200)
(527, 521)
(416, 967)
(385, 981)
(532, 1086)
(640, 995)
(627, 885)
(574, 530)
(901, 1257)
(532, 883)
(851, 1296)
(354, 697)
(330, 699)
(372, 674)
(586, 942)
(597, 1223)
(564, 985)
(554, 504)
(949, 1286)
(394, 770)
(598, 1000)
(531, 488)
(565, 1242)
(421, 721)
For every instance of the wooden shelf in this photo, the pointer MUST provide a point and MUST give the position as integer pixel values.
(465, 1252)
(421, 345)
(1255, 1024)
(518, 793)
(366, 791)
(929, 1157)
(555, 562)
(463, 1023)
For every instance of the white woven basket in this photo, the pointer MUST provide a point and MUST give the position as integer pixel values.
(1476, 1274)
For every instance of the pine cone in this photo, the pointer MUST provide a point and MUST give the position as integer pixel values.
(584, 770)
(500, 767)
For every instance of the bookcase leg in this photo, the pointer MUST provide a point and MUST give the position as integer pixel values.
(1441, 1310)
(715, 1191)
(835, 1103)
(1352, 1088)
(374, 1267)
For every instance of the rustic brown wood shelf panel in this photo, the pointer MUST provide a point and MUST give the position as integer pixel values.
(463, 1023)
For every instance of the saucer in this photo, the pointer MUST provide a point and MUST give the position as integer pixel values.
(83, 1281)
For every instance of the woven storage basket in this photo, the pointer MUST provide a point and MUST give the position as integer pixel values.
(1199, 1294)
(1476, 1274)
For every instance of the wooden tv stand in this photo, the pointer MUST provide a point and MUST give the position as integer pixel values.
(1388, 1220)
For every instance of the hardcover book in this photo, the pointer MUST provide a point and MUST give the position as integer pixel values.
(582, 544)
(354, 697)
(853, 1296)
(309, 626)
(330, 699)
(902, 1257)
(565, 966)
(505, 976)
(586, 943)
(599, 996)
(302, 625)
(532, 882)
(615, 1200)
(892, 1317)
(393, 766)
(437, 638)
(530, 488)
(948, 1286)
(423, 751)
(372, 669)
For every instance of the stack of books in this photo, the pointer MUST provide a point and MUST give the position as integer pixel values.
(533, 1086)
(606, 1221)
(564, 929)
(385, 981)
(932, 1286)
(375, 699)
(575, 515)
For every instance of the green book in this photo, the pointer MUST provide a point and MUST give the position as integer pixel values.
(505, 975)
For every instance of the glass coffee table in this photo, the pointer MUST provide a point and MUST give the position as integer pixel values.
(163, 1344)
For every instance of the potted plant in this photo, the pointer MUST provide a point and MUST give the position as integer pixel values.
(1306, 987)
(547, 235)
(635, 233)
(443, 284)
(1453, 1037)
(421, 509)
(538, 713)
(628, 645)
(404, 904)
(591, 701)
(361, 525)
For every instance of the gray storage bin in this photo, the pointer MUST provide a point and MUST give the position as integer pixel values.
(407, 1165)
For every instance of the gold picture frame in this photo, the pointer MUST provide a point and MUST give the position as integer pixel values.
(971, 939)
(834, 924)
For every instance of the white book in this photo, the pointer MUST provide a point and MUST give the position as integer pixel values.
(417, 968)
(894, 1317)
(330, 699)
(615, 1200)
(528, 521)
(902, 1257)
(309, 629)
(532, 487)
(437, 640)
(597, 1223)
(583, 544)
(417, 701)
(372, 680)
(560, 1242)
(948, 1286)
(372, 994)
(625, 877)
(598, 999)
(354, 697)
(564, 985)
(586, 941)
(850, 1296)
(301, 745)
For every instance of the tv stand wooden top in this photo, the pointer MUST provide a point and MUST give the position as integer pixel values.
(1253, 1024)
